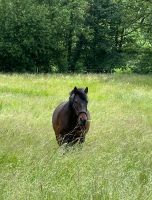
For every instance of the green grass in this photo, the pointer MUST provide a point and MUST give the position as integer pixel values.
(116, 159)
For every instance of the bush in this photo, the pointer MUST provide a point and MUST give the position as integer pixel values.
(123, 70)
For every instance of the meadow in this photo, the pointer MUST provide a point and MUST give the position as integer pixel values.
(115, 162)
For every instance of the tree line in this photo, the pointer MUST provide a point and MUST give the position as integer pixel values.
(75, 36)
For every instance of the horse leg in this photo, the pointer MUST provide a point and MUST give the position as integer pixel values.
(59, 139)
(62, 139)
(82, 139)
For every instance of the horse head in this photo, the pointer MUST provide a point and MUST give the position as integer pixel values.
(78, 101)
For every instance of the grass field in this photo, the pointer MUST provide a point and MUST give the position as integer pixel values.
(116, 159)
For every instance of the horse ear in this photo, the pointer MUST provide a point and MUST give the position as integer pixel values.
(75, 89)
(86, 90)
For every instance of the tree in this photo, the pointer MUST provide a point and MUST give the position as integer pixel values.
(25, 36)
(75, 35)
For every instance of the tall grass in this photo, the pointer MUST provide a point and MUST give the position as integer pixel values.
(116, 159)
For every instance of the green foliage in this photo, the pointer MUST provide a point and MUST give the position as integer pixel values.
(25, 36)
(123, 70)
(73, 36)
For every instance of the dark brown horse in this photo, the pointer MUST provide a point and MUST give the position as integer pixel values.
(71, 119)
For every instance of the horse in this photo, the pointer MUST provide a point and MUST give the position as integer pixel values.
(71, 119)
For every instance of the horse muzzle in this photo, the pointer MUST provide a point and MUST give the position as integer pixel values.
(82, 119)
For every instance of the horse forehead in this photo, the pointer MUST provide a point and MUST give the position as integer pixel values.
(81, 97)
